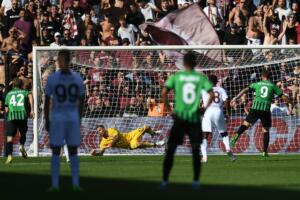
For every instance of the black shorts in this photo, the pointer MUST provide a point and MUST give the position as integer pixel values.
(264, 116)
(14, 125)
(182, 127)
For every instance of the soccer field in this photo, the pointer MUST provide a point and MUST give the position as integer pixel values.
(132, 177)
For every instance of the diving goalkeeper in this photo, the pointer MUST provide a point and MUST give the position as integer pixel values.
(132, 140)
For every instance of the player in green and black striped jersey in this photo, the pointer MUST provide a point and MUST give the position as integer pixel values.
(15, 107)
(260, 109)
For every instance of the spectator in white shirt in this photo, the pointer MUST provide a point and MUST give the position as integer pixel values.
(213, 13)
(282, 10)
(278, 108)
(148, 10)
(128, 31)
(57, 41)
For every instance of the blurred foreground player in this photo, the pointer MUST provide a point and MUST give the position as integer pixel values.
(260, 109)
(65, 90)
(132, 140)
(187, 86)
(15, 106)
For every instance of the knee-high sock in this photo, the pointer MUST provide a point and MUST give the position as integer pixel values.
(204, 148)
(75, 169)
(266, 141)
(9, 148)
(55, 165)
(196, 163)
(146, 145)
(241, 129)
(226, 143)
(66, 151)
(22, 139)
(168, 161)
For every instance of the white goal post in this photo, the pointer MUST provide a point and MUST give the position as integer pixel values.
(123, 87)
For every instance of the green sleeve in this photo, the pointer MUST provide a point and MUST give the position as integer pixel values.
(170, 83)
(206, 85)
(277, 90)
(252, 86)
(7, 100)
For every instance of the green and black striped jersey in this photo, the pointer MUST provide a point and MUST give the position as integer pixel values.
(264, 94)
(16, 101)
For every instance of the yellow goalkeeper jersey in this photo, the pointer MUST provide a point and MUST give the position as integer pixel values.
(126, 140)
(112, 133)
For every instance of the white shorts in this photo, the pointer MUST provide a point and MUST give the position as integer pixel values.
(62, 132)
(214, 118)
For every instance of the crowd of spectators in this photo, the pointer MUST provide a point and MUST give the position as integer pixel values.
(28, 23)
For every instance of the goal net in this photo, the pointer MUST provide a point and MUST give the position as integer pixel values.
(123, 88)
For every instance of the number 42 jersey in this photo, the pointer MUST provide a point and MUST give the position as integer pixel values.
(65, 89)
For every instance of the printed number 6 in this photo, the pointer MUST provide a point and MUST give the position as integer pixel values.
(189, 94)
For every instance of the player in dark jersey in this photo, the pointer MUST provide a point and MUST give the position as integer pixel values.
(15, 107)
(260, 109)
(187, 86)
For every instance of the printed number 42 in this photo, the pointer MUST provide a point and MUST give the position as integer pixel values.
(20, 101)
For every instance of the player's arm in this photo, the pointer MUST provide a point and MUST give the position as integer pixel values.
(165, 100)
(210, 98)
(114, 142)
(245, 90)
(30, 97)
(47, 112)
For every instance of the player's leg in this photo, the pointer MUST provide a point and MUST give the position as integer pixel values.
(11, 132)
(251, 118)
(176, 138)
(73, 141)
(221, 126)
(22, 126)
(206, 128)
(195, 135)
(56, 142)
(136, 135)
(55, 167)
(266, 121)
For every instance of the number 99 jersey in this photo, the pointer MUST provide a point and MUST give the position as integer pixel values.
(65, 89)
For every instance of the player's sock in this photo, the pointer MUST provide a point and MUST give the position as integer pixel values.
(204, 148)
(226, 142)
(196, 162)
(22, 139)
(168, 162)
(147, 145)
(9, 148)
(55, 170)
(241, 129)
(266, 141)
(66, 151)
(75, 169)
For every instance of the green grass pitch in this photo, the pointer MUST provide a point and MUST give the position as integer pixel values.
(137, 177)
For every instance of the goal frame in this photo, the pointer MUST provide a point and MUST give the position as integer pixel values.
(116, 48)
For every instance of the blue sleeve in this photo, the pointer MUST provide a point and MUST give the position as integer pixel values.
(81, 86)
(49, 89)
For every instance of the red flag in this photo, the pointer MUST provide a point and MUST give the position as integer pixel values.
(69, 23)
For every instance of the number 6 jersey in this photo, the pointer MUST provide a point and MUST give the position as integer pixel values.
(65, 90)
(187, 86)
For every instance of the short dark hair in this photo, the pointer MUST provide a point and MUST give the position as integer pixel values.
(213, 79)
(189, 59)
(100, 126)
(66, 54)
(266, 73)
(17, 83)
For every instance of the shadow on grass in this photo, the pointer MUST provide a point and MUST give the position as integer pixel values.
(20, 186)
